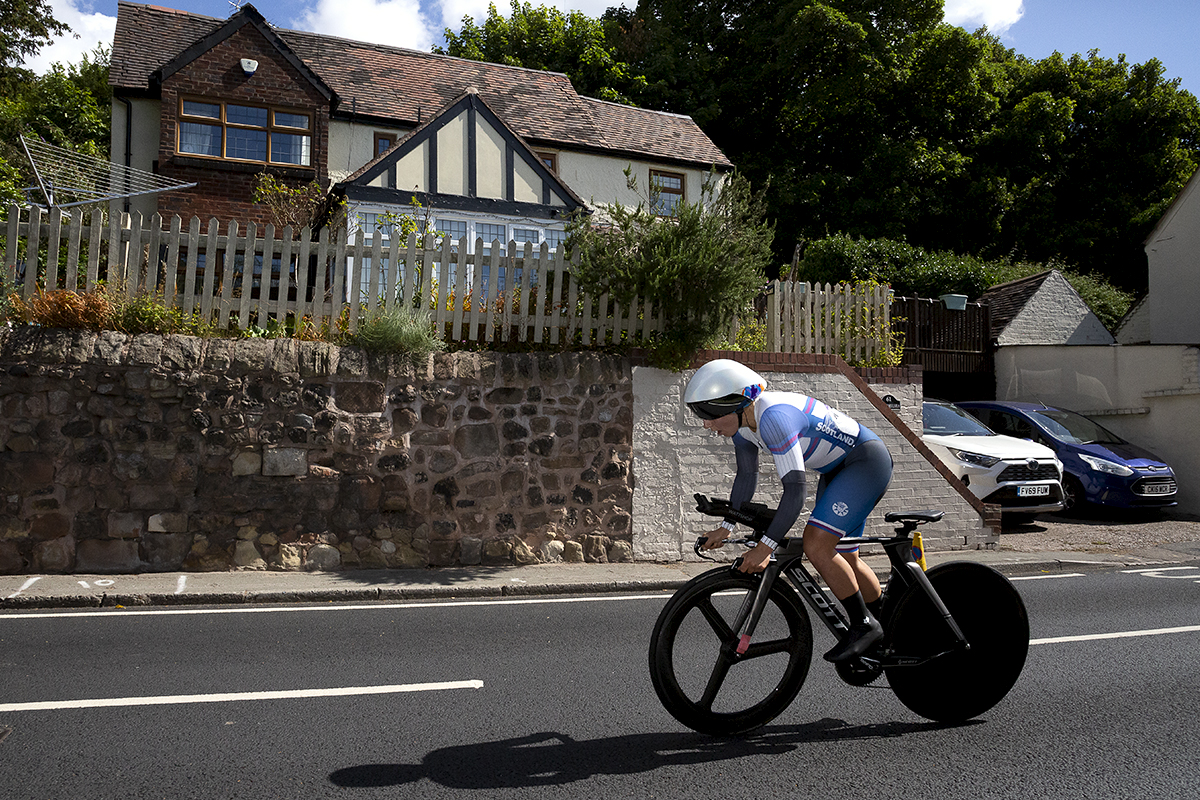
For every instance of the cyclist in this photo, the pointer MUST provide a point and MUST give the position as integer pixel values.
(799, 431)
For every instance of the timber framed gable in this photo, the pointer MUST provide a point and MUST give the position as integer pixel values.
(464, 158)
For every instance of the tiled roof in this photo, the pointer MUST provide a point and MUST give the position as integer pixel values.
(1007, 299)
(406, 86)
(637, 130)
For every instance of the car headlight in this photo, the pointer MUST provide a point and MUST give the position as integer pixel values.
(1103, 465)
(975, 459)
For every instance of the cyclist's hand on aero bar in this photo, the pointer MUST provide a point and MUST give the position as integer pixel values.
(715, 538)
(756, 560)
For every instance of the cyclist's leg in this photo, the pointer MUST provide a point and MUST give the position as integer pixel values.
(868, 581)
(844, 499)
(820, 546)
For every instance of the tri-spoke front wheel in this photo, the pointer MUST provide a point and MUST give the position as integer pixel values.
(696, 670)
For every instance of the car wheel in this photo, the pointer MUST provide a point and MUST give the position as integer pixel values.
(1074, 497)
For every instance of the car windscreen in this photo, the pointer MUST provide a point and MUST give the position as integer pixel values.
(941, 420)
(1074, 428)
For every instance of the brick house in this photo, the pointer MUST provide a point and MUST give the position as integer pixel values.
(488, 151)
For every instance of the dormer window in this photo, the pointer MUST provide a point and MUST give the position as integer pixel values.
(238, 132)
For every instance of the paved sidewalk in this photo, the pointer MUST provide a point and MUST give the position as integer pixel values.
(246, 587)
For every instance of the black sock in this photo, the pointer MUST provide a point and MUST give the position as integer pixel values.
(855, 608)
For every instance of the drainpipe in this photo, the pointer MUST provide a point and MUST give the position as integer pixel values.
(128, 139)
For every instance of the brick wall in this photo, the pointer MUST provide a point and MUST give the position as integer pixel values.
(671, 467)
(225, 188)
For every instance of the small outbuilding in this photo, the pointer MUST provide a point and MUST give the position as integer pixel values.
(1042, 309)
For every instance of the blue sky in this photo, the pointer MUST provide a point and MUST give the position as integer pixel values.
(1162, 29)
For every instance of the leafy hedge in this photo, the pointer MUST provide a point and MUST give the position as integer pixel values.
(916, 272)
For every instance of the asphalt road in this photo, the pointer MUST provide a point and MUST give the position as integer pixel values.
(549, 697)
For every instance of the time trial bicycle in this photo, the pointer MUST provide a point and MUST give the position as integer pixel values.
(730, 651)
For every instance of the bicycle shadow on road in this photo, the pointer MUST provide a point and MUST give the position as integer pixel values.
(552, 759)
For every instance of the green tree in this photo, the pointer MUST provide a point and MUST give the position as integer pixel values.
(26, 26)
(875, 119)
(67, 107)
(1091, 151)
(547, 39)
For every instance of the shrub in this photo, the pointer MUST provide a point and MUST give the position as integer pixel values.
(398, 329)
(913, 271)
(63, 308)
(700, 267)
(910, 271)
(148, 313)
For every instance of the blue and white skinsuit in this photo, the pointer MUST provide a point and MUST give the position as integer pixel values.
(799, 432)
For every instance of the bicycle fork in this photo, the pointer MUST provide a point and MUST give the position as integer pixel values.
(752, 607)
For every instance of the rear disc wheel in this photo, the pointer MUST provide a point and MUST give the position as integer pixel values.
(959, 684)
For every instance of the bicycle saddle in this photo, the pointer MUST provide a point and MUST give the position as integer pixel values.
(913, 516)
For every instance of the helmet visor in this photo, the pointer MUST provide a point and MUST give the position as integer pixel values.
(715, 409)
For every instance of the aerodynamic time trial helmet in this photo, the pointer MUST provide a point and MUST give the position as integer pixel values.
(722, 387)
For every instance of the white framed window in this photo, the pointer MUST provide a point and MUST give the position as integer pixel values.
(522, 235)
(555, 238)
(456, 229)
(463, 232)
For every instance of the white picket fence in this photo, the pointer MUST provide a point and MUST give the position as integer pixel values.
(499, 292)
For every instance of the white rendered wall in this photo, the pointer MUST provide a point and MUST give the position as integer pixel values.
(353, 144)
(143, 147)
(1173, 252)
(1055, 314)
(675, 457)
(601, 179)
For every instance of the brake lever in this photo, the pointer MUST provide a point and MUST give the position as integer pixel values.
(745, 542)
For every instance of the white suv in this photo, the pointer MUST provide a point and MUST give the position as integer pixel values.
(1022, 477)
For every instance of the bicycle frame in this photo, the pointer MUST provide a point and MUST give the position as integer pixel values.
(906, 574)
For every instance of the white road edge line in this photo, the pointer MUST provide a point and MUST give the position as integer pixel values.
(176, 699)
(105, 613)
(1042, 577)
(1119, 635)
(1155, 569)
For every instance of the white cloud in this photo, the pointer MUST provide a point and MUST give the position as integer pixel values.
(399, 23)
(997, 15)
(90, 28)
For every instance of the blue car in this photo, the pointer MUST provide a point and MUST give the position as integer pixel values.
(1098, 466)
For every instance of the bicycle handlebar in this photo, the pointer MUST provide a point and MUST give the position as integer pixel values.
(756, 515)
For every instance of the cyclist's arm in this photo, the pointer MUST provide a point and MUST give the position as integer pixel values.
(744, 484)
(782, 427)
(746, 480)
(790, 506)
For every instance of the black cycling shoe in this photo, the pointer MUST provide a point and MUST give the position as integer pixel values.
(857, 641)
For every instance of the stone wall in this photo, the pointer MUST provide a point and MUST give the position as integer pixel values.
(148, 453)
